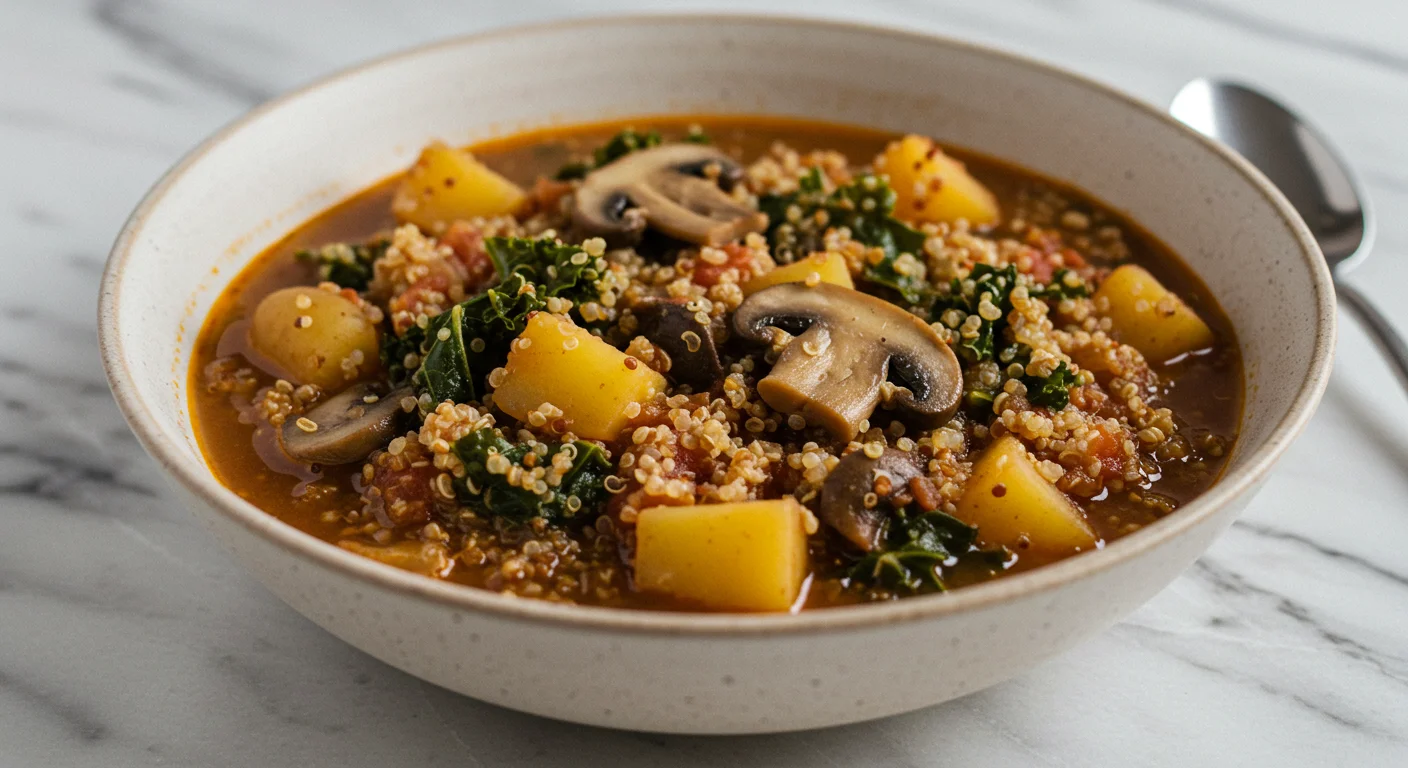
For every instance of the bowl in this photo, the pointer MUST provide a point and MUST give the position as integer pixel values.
(710, 673)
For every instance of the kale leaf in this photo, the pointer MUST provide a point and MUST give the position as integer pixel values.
(865, 207)
(988, 282)
(350, 266)
(1052, 391)
(462, 346)
(395, 349)
(485, 486)
(478, 333)
(916, 548)
(557, 269)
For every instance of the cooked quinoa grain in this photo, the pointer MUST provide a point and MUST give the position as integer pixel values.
(523, 491)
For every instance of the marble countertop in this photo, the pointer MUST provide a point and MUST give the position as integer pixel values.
(128, 637)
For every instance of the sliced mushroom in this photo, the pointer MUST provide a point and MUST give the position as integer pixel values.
(694, 358)
(344, 428)
(849, 343)
(843, 495)
(668, 187)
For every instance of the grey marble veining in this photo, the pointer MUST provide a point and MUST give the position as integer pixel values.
(127, 637)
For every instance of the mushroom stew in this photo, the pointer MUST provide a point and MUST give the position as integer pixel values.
(717, 364)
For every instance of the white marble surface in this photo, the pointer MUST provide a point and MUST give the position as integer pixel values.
(128, 638)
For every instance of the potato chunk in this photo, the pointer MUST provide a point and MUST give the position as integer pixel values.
(447, 184)
(931, 186)
(1149, 317)
(315, 337)
(829, 268)
(750, 556)
(554, 361)
(1014, 506)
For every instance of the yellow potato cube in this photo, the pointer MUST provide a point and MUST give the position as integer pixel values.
(315, 337)
(749, 556)
(447, 184)
(829, 268)
(1149, 317)
(931, 186)
(1014, 506)
(554, 361)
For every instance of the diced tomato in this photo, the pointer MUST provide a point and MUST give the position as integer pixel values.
(467, 243)
(406, 493)
(1107, 446)
(739, 258)
(1041, 268)
(428, 293)
(546, 193)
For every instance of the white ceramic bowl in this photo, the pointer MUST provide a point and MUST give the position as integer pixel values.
(290, 159)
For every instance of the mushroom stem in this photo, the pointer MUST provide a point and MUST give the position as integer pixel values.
(836, 394)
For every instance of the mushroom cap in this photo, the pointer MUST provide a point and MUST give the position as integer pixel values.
(843, 494)
(849, 343)
(667, 188)
(693, 360)
(347, 427)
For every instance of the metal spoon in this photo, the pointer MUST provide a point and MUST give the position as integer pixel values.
(1311, 175)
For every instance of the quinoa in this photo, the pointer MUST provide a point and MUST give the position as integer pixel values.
(1119, 441)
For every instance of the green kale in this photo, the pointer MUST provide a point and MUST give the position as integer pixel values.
(1064, 284)
(557, 269)
(915, 550)
(984, 282)
(617, 147)
(791, 237)
(350, 266)
(477, 333)
(865, 207)
(394, 350)
(468, 342)
(1052, 391)
(486, 488)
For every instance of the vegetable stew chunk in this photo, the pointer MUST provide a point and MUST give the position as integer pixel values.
(642, 384)
(1150, 317)
(448, 184)
(749, 556)
(1014, 506)
(828, 268)
(315, 336)
(931, 186)
(556, 363)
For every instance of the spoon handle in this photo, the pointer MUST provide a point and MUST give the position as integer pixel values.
(1379, 327)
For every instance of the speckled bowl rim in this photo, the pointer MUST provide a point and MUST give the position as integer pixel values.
(200, 481)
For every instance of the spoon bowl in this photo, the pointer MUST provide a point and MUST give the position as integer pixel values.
(1312, 176)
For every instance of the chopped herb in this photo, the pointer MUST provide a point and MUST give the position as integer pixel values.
(485, 486)
(865, 207)
(350, 266)
(1052, 391)
(916, 549)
